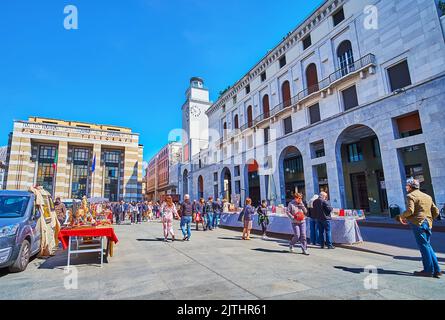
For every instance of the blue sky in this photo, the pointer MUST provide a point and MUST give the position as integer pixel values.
(130, 62)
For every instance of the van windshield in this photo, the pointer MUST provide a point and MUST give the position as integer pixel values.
(13, 206)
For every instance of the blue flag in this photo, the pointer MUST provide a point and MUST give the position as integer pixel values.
(93, 166)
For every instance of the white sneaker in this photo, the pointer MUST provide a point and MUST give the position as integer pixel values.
(291, 249)
(305, 253)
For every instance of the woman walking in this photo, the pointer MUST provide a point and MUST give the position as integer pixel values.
(247, 215)
(168, 212)
(296, 211)
(263, 218)
(199, 211)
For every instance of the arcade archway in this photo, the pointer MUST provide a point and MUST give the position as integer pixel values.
(291, 173)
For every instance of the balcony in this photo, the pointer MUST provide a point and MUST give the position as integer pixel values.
(324, 85)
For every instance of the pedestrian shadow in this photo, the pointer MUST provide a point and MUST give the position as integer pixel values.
(227, 238)
(270, 250)
(151, 240)
(379, 271)
(441, 260)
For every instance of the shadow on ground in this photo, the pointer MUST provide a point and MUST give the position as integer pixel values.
(380, 271)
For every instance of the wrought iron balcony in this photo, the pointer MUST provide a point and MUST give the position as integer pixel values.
(356, 66)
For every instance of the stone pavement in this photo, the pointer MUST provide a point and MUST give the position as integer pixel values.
(218, 265)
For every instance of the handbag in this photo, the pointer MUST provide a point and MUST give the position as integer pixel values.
(198, 218)
(299, 216)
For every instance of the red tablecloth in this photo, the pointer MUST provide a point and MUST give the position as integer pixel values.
(65, 234)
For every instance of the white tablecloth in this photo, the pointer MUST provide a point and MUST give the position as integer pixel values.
(344, 231)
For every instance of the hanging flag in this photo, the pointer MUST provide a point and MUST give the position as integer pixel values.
(93, 166)
(56, 159)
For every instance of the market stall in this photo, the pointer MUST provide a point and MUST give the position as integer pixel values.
(88, 233)
(344, 226)
(88, 230)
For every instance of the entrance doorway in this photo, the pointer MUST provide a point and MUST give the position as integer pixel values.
(253, 182)
(361, 170)
(360, 191)
(227, 184)
(292, 174)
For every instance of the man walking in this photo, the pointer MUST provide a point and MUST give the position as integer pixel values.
(208, 214)
(186, 218)
(322, 214)
(420, 213)
(217, 209)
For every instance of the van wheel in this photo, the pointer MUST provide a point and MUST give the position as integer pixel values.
(23, 259)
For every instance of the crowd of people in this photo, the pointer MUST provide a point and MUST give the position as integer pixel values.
(316, 214)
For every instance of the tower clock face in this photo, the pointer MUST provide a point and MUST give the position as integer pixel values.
(195, 111)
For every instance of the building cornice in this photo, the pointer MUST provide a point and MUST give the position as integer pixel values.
(290, 40)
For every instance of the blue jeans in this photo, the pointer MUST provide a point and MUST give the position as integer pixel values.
(423, 239)
(216, 220)
(186, 226)
(324, 230)
(209, 220)
(315, 236)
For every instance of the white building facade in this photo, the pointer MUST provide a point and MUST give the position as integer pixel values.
(350, 103)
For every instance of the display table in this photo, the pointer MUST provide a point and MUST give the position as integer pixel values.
(67, 235)
(344, 230)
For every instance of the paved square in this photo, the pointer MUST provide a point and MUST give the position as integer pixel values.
(218, 265)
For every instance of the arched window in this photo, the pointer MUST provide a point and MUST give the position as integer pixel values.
(286, 95)
(236, 122)
(266, 106)
(345, 57)
(312, 78)
(249, 116)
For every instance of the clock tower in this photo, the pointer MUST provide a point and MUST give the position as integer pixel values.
(195, 123)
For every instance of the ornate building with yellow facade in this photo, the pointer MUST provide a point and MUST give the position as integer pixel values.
(74, 159)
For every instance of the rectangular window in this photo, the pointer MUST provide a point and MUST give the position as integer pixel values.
(263, 76)
(314, 113)
(320, 153)
(237, 187)
(287, 125)
(350, 99)
(355, 153)
(266, 135)
(399, 76)
(338, 17)
(376, 148)
(409, 125)
(237, 171)
(283, 61)
(307, 42)
(248, 89)
(215, 191)
(215, 177)
(234, 99)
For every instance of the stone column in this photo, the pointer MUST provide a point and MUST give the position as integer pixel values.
(21, 169)
(131, 168)
(62, 174)
(393, 177)
(334, 167)
(97, 177)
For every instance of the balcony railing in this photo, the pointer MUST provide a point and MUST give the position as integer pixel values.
(354, 67)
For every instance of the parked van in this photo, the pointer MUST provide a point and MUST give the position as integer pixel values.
(21, 225)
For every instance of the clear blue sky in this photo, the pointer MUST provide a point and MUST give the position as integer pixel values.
(130, 62)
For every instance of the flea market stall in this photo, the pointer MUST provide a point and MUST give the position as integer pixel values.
(344, 226)
(87, 232)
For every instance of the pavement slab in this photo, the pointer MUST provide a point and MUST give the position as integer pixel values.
(219, 265)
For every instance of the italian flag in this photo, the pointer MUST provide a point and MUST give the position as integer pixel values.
(56, 159)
